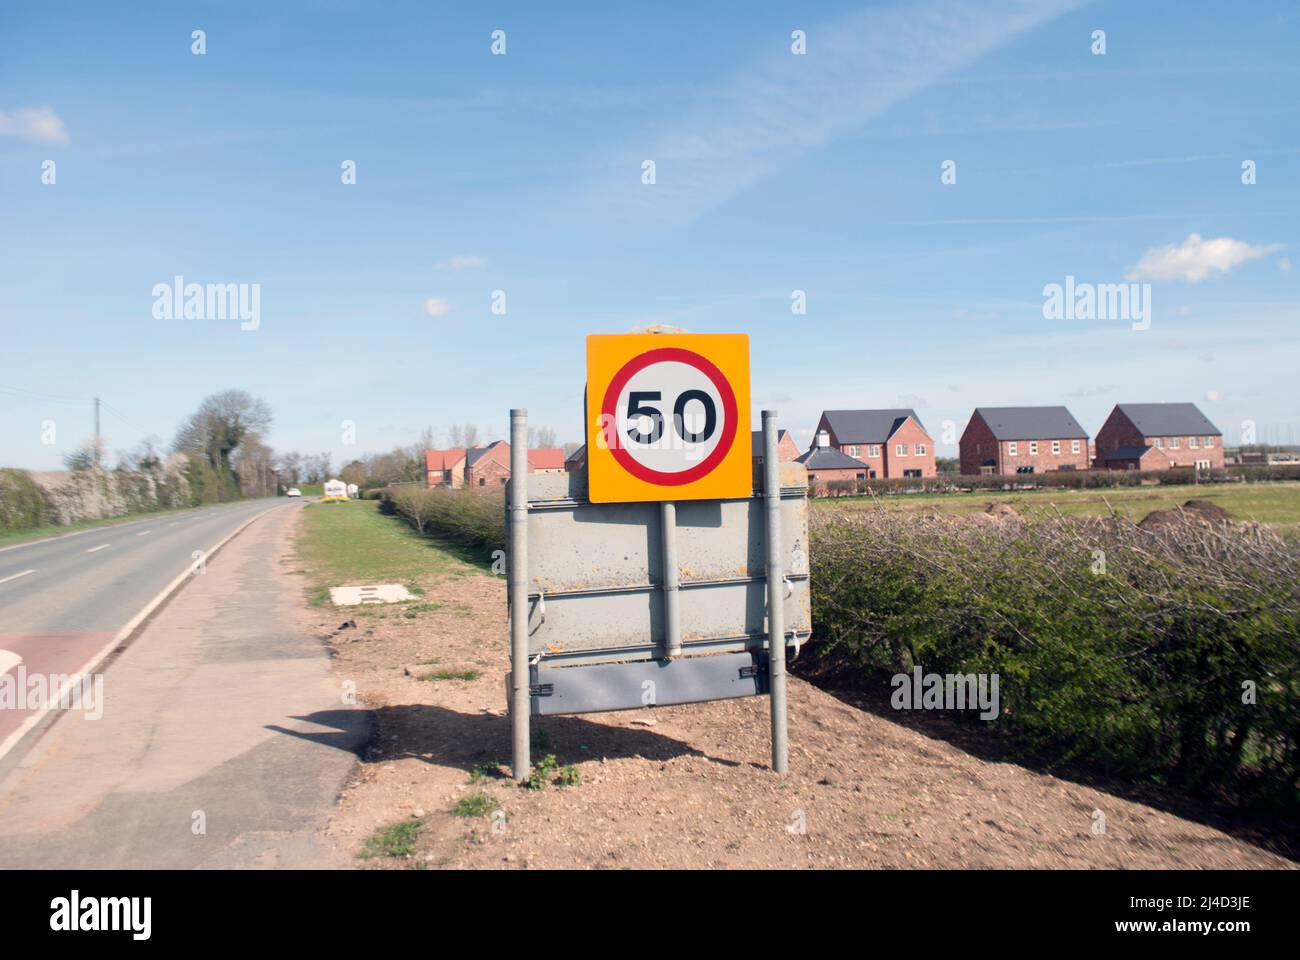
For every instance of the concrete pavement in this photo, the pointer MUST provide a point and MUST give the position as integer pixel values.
(224, 739)
(65, 600)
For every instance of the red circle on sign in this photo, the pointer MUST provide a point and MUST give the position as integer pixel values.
(705, 466)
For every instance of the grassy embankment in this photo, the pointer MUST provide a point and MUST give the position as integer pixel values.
(354, 543)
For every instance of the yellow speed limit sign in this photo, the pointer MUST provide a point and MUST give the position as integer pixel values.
(668, 417)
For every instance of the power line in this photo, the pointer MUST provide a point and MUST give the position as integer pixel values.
(125, 419)
(44, 397)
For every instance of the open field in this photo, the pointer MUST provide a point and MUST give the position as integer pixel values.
(684, 786)
(1277, 504)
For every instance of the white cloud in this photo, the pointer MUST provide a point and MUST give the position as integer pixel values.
(1196, 258)
(38, 124)
(783, 106)
(461, 262)
(437, 307)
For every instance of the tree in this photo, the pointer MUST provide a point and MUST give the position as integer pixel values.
(316, 469)
(252, 462)
(541, 437)
(212, 434)
(85, 456)
(289, 466)
(354, 472)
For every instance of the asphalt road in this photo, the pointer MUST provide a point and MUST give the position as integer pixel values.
(98, 579)
(224, 738)
(62, 600)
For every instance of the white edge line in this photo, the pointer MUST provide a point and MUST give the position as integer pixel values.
(17, 575)
(122, 635)
(102, 546)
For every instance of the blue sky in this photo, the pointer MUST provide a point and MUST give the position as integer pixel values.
(522, 172)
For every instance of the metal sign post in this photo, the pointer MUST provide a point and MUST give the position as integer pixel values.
(518, 563)
(775, 589)
(671, 581)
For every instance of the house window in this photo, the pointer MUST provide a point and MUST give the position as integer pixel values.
(482, 481)
(873, 450)
(1160, 443)
(853, 451)
(1209, 442)
(920, 449)
(1056, 447)
(1011, 449)
(912, 474)
(1193, 442)
(1074, 446)
(1033, 448)
(901, 449)
(1173, 443)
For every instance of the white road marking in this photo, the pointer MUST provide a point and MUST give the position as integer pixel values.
(144, 533)
(102, 546)
(17, 575)
(173, 523)
(9, 742)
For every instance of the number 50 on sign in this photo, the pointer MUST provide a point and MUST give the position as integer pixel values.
(668, 417)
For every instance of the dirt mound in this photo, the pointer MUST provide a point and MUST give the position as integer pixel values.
(996, 509)
(1193, 511)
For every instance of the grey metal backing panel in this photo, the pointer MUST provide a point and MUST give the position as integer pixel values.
(598, 568)
(623, 686)
(632, 618)
(585, 546)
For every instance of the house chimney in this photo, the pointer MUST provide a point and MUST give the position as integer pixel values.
(823, 439)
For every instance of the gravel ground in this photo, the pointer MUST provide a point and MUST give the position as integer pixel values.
(689, 786)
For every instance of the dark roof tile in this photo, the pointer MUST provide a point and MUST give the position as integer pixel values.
(1032, 423)
(867, 426)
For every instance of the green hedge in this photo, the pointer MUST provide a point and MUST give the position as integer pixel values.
(466, 516)
(1057, 479)
(1141, 668)
(22, 505)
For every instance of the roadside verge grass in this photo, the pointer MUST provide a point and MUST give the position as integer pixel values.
(353, 543)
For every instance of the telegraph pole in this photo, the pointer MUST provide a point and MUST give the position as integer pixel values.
(97, 440)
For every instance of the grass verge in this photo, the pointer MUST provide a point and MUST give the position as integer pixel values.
(353, 543)
(394, 840)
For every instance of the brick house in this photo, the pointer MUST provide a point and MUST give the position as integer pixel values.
(1158, 436)
(444, 468)
(825, 464)
(786, 450)
(892, 443)
(483, 467)
(1008, 440)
